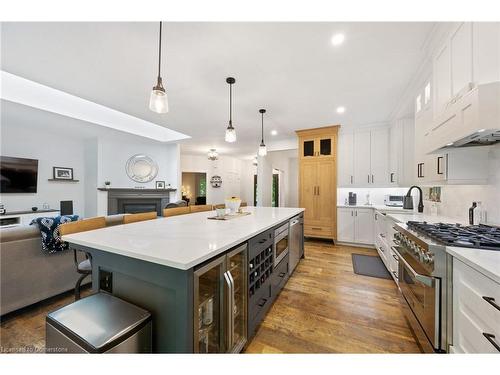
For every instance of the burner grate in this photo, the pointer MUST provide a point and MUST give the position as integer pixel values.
(473, 236)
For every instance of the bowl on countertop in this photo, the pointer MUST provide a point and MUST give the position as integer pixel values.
(233, 204)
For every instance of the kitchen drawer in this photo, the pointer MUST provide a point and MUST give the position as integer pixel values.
(279, 277)
(258, 306)
(318, 230)
(260, 242)
(473, 315)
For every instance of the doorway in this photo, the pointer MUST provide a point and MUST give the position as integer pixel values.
(277, 190)
(194, 188)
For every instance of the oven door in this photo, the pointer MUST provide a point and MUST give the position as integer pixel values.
(422, 294)
(280, 247)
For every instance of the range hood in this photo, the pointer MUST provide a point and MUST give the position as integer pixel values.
(472, 119)
(483, 137)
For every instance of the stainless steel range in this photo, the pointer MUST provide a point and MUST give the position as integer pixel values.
(424, 271)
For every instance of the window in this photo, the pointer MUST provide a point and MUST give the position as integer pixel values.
(427, 93)
(418, 104)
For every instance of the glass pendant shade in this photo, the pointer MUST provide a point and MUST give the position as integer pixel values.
(158, 101)
(230, 134)
(262, 150)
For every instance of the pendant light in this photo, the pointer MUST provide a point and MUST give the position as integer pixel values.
(262, 147)
(230, 131)
(158, 101)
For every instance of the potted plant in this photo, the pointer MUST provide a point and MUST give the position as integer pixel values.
(107, 184)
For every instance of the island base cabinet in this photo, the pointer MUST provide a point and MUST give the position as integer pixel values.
(220, 304)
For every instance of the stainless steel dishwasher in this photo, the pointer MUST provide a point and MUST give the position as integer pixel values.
(295, 245)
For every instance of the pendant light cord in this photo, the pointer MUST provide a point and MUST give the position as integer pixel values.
(159, 53)
(231, 104)
(262, 140)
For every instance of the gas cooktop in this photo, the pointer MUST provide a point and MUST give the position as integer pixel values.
(473, 236)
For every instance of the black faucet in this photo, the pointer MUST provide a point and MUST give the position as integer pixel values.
(408, 200)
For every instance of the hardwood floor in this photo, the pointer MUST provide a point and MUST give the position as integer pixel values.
(324, 308)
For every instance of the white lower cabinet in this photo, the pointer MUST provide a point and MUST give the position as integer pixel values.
(355, 225)
(476, 311)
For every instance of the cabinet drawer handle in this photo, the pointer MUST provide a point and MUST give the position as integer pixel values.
(491, 339)
(372, 179)
(351, 179)
(262, 302)
(395, 257)
(368, 178)
(282, 274)
(492, 302)
(315, 228)
(392, 177)
(382, 250)
(262, 241)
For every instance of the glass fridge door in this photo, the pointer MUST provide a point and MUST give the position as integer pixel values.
(236, 279)
(209, 306)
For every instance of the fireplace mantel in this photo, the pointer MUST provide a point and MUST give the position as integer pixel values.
(132, 190)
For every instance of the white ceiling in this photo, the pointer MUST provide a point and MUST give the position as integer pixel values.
(291, 69)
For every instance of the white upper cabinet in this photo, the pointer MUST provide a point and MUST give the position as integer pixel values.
(486, 52)
(362, 171)
(364, 158)
(461, 59)
(442, 78)
(379, 160)
(346, 159)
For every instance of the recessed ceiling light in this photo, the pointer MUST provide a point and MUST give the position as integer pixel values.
(338, 39)
(449, 144)
(340, 109)
(274, 132)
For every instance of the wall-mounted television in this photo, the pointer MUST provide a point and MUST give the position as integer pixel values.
(18, 175)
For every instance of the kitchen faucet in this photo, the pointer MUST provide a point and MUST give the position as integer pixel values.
(408, 200)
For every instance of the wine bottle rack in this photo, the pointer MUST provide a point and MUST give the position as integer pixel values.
(260, 269)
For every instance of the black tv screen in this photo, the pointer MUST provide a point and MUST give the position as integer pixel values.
(18, 175)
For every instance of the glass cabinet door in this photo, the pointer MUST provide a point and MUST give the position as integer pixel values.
(325, 146)
(308, 148)
(237, 297)
(209, 308)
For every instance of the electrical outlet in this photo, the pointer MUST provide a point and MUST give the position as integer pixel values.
(106, 281)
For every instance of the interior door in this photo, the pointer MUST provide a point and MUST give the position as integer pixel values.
(308, 191)
(324, 191)
(237, 298)
(209, 308)
(379, 160)
(362, 173)
(363, 228)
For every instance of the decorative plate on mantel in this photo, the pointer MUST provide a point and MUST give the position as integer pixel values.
(141, 168)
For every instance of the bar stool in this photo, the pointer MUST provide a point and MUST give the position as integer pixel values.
(84, 267)
(201, 208)
(133, 218)
(175, 211)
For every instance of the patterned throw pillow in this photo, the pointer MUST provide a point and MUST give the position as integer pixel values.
(49, 231)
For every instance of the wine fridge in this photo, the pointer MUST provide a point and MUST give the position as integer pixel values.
(220, 304)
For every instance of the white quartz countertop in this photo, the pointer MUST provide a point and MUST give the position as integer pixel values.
(182, 241)
(486, 262)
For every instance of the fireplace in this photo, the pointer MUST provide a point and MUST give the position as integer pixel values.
(137, 200)
(135, 206)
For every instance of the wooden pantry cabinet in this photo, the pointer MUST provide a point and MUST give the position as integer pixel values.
(318, 180)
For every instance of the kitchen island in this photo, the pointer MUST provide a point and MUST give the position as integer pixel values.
(206, 282)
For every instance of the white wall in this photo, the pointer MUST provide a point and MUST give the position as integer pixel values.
(52, 150)
(285, 161)
(227, 167)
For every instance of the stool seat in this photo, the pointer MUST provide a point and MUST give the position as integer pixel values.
(85, 266)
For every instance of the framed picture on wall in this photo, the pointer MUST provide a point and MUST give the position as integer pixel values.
(160, 184)
(62, 173)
